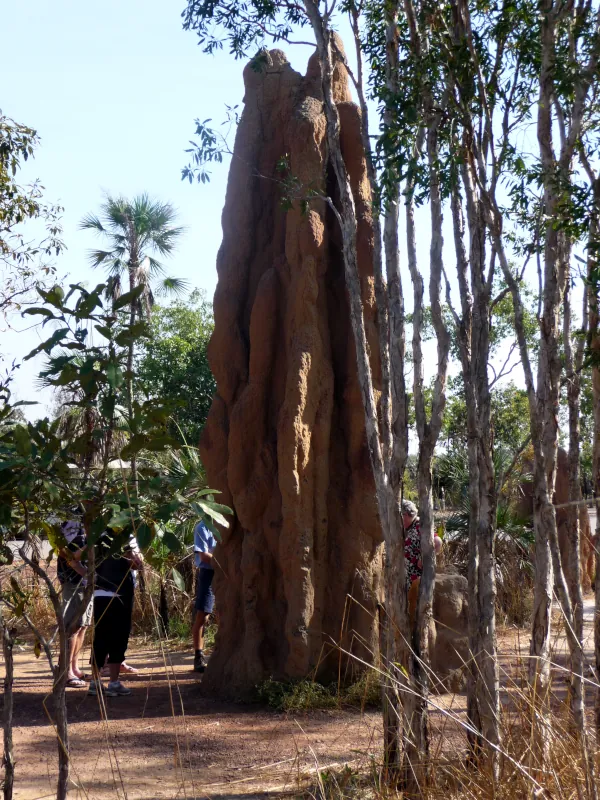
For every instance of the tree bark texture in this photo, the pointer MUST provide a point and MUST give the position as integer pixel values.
(428, 430)
(594, 322)
(60, 711)
(573, 364)
(483, 695)
(8, 760)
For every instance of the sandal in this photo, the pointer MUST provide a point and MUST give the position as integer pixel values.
(76, 683)
(127, 669)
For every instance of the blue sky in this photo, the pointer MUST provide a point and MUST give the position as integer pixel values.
(113, 89)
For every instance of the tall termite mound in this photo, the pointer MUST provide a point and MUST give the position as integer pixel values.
(285, 442)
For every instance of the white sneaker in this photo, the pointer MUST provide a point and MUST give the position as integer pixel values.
(117, 689)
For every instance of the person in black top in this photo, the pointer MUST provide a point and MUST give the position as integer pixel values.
(72, 572)
(113, 607)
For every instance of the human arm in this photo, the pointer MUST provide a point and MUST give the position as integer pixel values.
(73, 555)
(437, 543)
(74, 562)
(134, 556)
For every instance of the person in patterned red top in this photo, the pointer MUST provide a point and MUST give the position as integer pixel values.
(412, 542)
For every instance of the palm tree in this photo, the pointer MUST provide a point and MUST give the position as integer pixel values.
(137, 232)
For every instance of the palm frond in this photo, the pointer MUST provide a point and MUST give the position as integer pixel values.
(155, 268)
(164, 239)
(172, 286)
(99, 257)
(91, 222)
(137, 230)
(114, 287)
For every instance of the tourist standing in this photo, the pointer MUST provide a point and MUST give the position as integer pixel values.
(71, 572)
(113, 609)
(413, 559)
(204, 545)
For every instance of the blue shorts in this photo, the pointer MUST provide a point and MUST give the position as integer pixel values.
(205, 597)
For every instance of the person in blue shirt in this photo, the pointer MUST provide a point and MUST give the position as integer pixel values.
(204, 545)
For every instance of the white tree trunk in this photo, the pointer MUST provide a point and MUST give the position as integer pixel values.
(396, 621)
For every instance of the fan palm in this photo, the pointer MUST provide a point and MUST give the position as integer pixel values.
(137, 233)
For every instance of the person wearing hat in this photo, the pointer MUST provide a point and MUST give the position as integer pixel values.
(413, 559)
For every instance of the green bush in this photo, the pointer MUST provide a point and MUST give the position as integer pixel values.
(309, 695)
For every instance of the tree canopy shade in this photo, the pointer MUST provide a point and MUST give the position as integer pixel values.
(173, 363)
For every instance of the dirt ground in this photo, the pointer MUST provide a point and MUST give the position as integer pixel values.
(169, 741)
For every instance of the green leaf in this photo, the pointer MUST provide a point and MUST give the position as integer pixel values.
(128, 297)
(178, 580)
(55, 296)
(55, 536)
(85, 306)
(144, 535)
(6, 555)
(203, 508)
(39, 311)
(160, 443)
(132, 333)
(205, 492)
(222, 509)
(13, 462)
(120, 520)
(22, 440)
(56, 337)
(114, 375)
(135, 444)
(104, 330)
(166, 511)
(172, 542)
(213, 529)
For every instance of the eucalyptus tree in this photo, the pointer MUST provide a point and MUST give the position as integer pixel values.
(505, 67)
(137, 233)
(24, 262)
(588, 155)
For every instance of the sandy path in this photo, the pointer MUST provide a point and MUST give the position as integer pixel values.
(169, 741)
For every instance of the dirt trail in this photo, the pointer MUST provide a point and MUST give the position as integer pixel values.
(170, 741)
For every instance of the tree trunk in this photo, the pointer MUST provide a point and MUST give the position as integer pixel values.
(8, 641)
(395, 574)
(418, 770)
(483, 704)
(573, 364)
(60, 710)
(594, 301)
(130, 353)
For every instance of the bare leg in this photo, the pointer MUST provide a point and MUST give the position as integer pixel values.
(198, 631)
(75, 645)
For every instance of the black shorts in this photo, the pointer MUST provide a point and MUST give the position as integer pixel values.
(205, 597)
